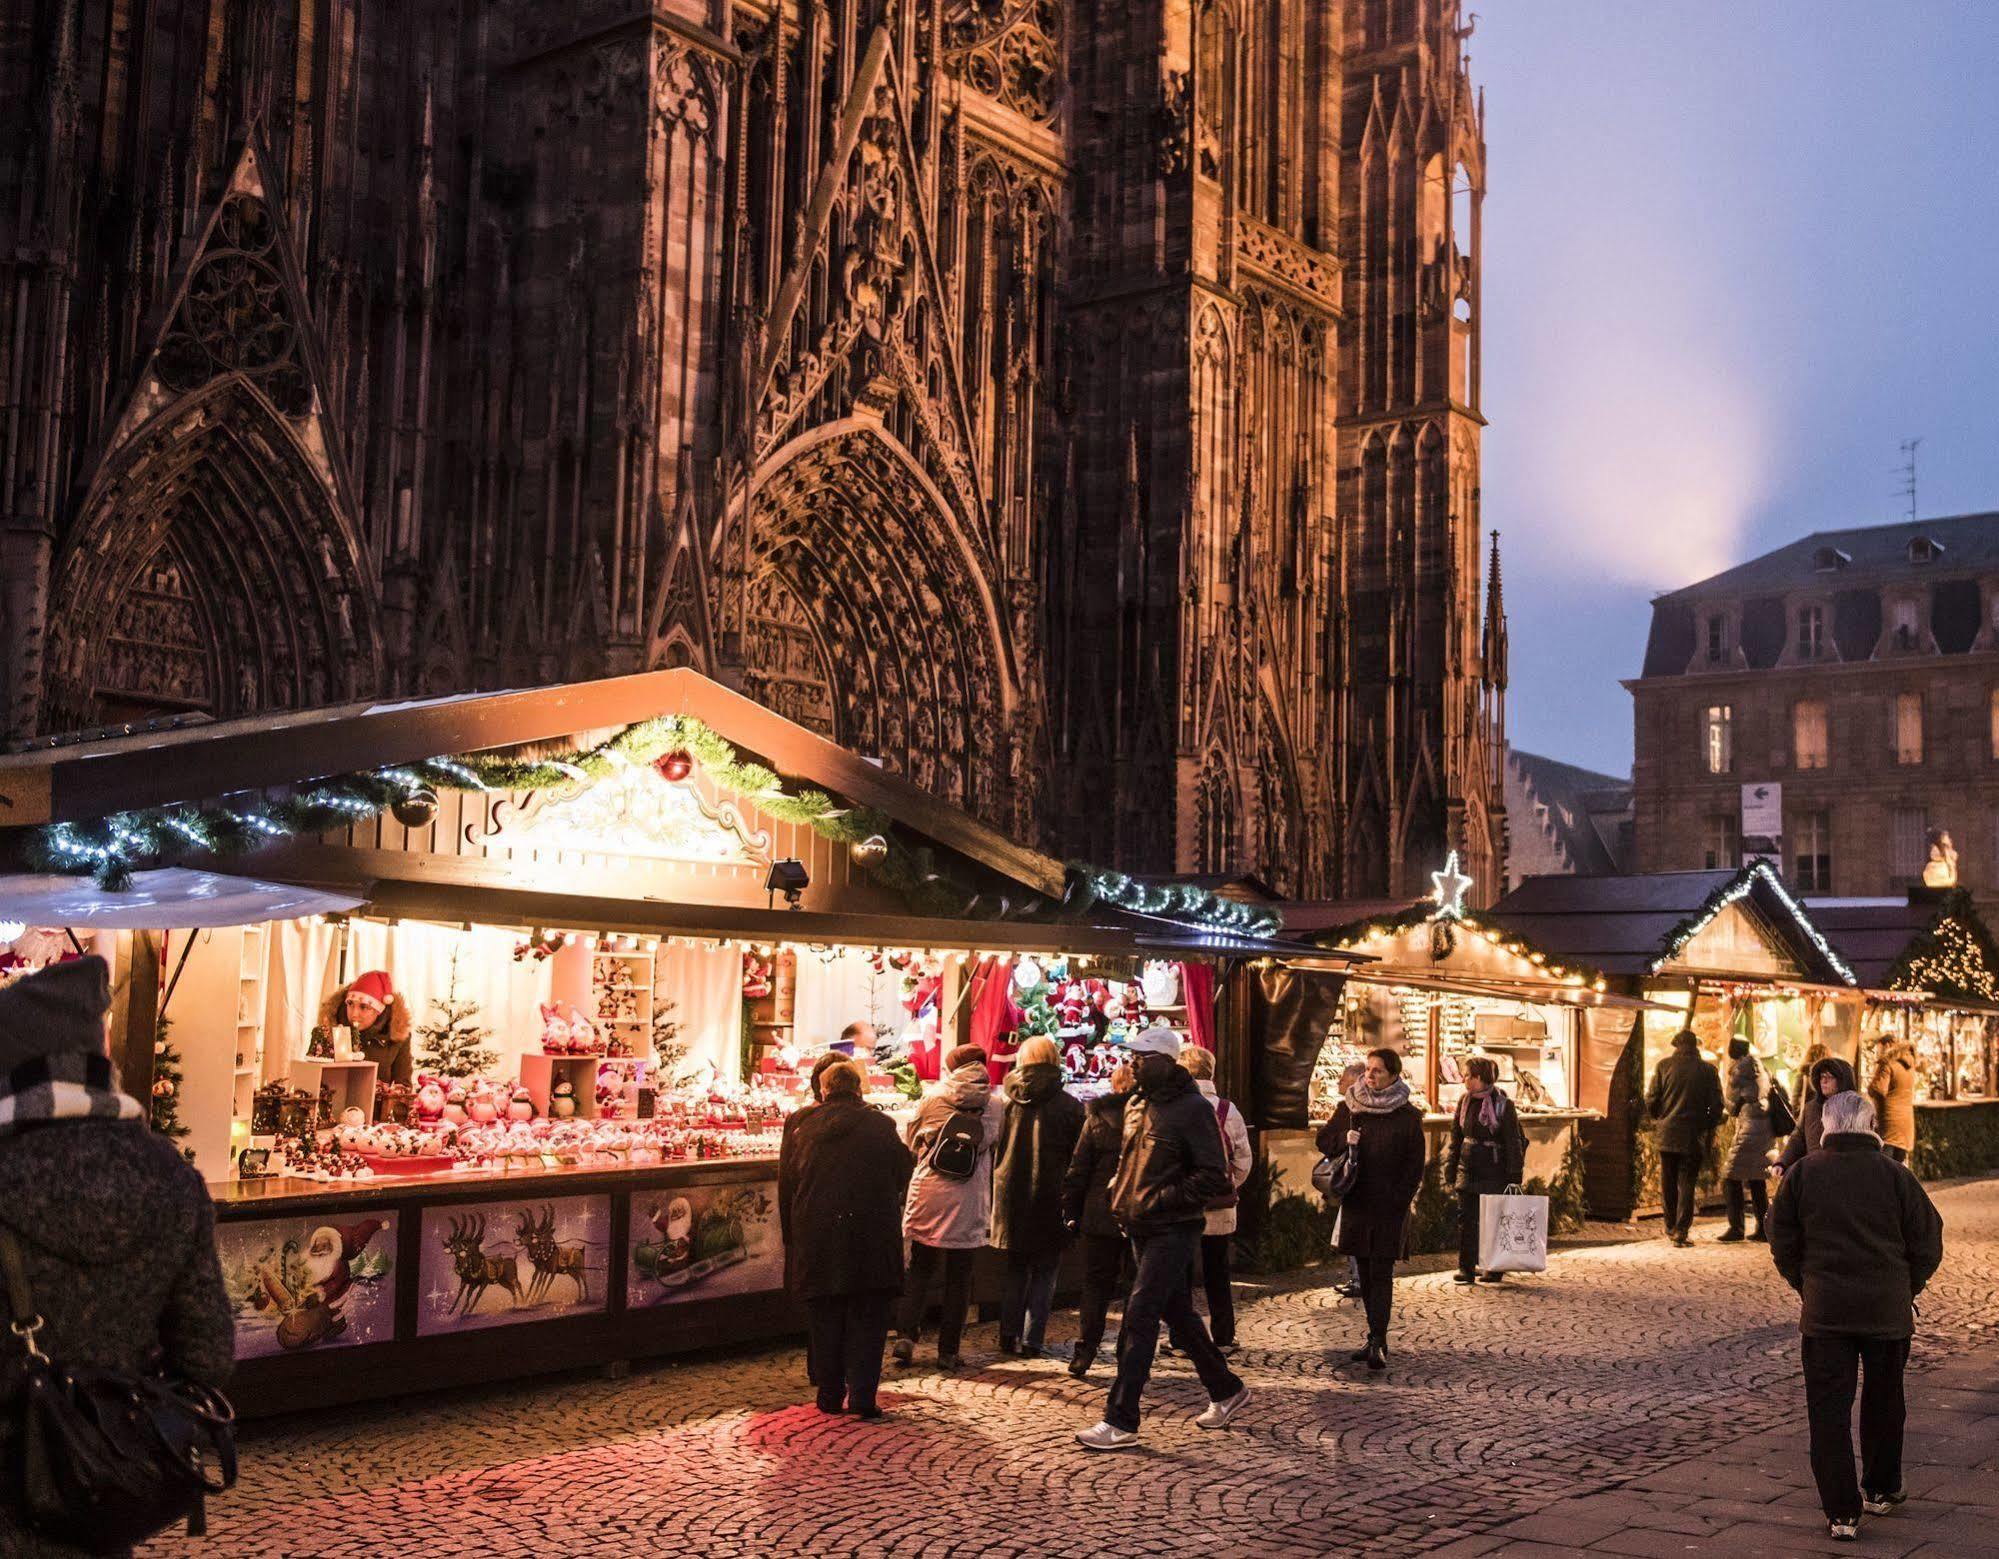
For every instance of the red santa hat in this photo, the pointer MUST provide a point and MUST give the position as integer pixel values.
(375, 985)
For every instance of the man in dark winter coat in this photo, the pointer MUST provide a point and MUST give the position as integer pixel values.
(1086, 1212)
(115, 1228)
(1684, 1103)
(841, 1174)
(1043, 1121)
(1171, 1164)
(1855, 1234)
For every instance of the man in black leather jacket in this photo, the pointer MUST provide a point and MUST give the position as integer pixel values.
(1171, 1165)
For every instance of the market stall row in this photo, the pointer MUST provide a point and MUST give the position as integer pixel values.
(505, 1035)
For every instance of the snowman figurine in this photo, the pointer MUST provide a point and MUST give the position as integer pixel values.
(562, 1101)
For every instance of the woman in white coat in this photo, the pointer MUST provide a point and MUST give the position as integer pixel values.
(1218, 1231)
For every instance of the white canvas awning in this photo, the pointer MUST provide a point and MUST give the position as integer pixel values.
(172, 899)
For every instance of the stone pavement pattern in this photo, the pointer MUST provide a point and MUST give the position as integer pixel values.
(1506, 1424)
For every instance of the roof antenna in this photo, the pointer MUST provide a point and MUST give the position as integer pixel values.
(1908, 471)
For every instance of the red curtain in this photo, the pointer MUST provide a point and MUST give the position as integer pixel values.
(995, 1014)
(1197, 990)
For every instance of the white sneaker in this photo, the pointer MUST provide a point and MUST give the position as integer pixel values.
(1844, 1531)
(1107, 1437)
(1218, 1414)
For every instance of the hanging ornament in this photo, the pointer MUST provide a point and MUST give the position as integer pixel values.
(675, 766)
(417, 809)
(871, 851)
(1026, 974)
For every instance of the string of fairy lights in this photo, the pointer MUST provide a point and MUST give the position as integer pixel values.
(113, 847)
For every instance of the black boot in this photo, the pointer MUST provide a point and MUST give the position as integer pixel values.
(1377, 1353)
(1363, 1353)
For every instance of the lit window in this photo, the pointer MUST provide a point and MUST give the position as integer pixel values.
(1811, 632)
(1724, 841)
(1995, 722)
(1811, 853)
(1908, 728)
(1717, 738)
(1909, 839)
(1808, 733)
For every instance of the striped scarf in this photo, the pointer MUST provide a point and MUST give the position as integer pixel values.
(67, 1085)
(1369, 1101)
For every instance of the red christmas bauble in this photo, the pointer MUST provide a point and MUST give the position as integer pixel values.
(674, 766)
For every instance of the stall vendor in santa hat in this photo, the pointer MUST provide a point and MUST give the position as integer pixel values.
(380, 1020)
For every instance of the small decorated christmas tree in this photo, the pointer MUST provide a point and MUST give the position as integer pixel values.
(667, 1045)
(164, 1115)
(453, 1042)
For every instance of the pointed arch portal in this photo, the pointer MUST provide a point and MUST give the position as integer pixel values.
(869, 615)
(248, 594)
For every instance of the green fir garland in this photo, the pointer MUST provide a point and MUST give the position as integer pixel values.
(116, 846)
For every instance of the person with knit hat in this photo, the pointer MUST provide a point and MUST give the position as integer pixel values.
(116, 1231)
(955, 1135)
(380, 1018)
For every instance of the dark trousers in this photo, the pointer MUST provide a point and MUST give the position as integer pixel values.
(1210, 1277)
(1899, 1155)
(924, 1260)
(1759, 1195)
(1377, 1292)
(1677, 1174)
(1468, 1195)
(1027, 1295)
(1104, 1258)
(1216, 1285)
(1159, 1293)
(1831, 1364)
(847, 1332)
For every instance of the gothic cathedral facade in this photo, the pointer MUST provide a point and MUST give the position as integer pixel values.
(1072, 403)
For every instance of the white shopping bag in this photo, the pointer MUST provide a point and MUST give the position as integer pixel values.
(1513, 1233)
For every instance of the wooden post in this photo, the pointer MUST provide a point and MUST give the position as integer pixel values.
(135, 1011)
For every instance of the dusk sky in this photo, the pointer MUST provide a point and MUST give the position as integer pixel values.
(1735, 254)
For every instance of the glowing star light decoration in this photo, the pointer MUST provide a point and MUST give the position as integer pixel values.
(1449, 889)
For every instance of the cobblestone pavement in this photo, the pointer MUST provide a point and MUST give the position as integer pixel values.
(1626, 1362)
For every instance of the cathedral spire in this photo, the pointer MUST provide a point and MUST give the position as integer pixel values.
(1495, 623)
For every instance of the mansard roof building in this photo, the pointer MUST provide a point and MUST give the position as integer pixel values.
(1073, 404)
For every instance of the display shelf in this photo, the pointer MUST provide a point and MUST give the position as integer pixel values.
(350, 1083)
(540, 1073)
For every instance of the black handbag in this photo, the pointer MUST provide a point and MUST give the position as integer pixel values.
(96, 1458)
(1334, 1178)
(1778, 1106)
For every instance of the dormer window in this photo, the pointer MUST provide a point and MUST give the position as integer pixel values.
(1717, 639)
(1923, 550)
(1830, 560)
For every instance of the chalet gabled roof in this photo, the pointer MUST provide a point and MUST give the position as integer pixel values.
(1631, 924)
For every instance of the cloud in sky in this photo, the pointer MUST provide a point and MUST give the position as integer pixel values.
(1734, 254)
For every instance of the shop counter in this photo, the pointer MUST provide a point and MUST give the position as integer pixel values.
(355, 1290)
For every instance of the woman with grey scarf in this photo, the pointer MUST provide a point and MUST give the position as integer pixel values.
(1384, 1130)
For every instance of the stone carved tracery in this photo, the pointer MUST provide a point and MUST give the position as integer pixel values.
(1011, 50)
(236, 316)
(866, 622)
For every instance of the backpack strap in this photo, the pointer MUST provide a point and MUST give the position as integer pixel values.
(1222, 1111)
